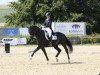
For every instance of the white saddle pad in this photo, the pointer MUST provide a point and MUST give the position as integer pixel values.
(54, 37)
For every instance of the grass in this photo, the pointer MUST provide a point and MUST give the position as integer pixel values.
(2, 25)
(4, 7)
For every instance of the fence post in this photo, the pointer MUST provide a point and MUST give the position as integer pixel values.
(7, 47)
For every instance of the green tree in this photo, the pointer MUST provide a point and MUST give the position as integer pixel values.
(87, 11)
(33, 11)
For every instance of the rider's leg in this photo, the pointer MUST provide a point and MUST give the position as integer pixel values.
(50, 33)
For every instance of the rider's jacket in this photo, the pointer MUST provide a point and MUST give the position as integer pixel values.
(48, 23)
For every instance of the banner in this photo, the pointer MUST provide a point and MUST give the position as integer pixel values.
(13, 31)
(1, 31)
(21, 41)
(23, 31)
(13, 41)
(70, 28)
(9, 31)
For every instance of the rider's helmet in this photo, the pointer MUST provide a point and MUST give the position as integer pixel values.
(48, 14)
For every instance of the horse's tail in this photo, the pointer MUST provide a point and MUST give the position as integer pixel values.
(69, 45)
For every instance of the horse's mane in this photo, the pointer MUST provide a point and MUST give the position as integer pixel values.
(35, 28)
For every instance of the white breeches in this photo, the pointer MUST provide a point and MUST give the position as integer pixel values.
(48, 30)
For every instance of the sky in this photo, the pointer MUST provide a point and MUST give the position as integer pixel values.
(5, 2)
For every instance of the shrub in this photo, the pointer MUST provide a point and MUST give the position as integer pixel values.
(31, 41)
(86, 41)
(98, 40)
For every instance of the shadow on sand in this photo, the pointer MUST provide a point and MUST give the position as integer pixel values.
(64, 63)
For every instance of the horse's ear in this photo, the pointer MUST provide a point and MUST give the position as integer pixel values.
(30, 26)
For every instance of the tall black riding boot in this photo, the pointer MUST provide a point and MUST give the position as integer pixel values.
(50, 40)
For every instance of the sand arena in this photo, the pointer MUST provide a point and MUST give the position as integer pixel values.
(85, 60)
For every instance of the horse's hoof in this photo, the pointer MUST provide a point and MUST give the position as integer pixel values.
(57, 60)
(30, 51)
(47, 62)
(69, 61)
(30, 57)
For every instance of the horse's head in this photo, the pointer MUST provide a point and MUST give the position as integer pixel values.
(33, 30)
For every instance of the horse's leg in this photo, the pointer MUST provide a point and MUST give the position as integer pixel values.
(34, 52)
(45, 54)
(59, 50)
(67, 52)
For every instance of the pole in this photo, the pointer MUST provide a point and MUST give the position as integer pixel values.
(7, 47)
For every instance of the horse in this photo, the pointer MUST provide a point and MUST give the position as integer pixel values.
(43, 42)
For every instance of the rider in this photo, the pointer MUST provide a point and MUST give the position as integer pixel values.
(48, 25)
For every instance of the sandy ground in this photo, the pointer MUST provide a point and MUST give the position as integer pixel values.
(85, 60)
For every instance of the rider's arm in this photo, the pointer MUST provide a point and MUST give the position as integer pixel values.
(44, 23)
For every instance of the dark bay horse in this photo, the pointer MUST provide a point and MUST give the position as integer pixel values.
(43, 42)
